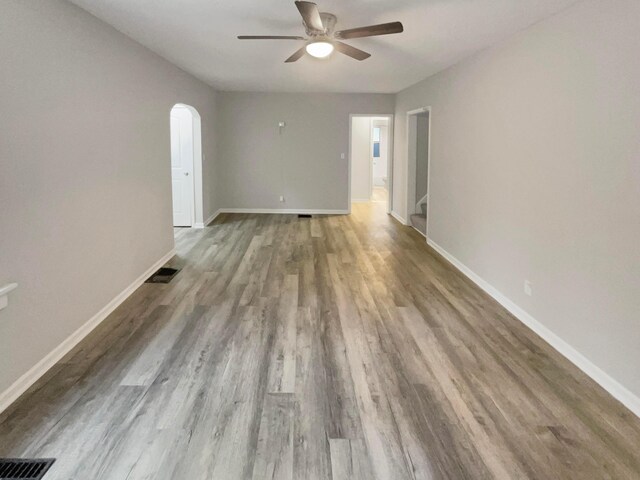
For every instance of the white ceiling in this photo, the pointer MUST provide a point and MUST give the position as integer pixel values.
(200, 37)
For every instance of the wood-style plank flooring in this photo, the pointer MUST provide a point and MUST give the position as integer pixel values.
(338, 347)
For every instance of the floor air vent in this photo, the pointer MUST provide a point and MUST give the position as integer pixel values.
(164, 275)
(304, 215)
(24, 468)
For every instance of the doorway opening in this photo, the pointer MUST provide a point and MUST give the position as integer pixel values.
(186, 166)
(370, 159)
(418, 156)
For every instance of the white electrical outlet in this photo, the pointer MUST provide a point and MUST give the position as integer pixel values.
(528, 289)
(282, 198)
(342, 156)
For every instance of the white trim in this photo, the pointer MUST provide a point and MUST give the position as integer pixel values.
(378, 122)
(424, 199)
(4, 294)
(390, 161)
(390, 134)
(212, 217)
(410, 186)
(8, 288)
(420, 232)
(398, 218)
(293, 211)
(208, 220)
(412, 160)
(418, 111)
(39, 369)
(370, 162)
(429, 162)
(618, 391)
(389, 125)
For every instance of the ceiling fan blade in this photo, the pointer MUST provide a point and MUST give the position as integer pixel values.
(268, 37)
(296, 56)
(352, 52)
(371, 30)
(310, 16)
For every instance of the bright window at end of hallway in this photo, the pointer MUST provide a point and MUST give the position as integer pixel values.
(376, 142)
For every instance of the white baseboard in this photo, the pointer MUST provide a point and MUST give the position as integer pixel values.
(212, 217)
(398, 217)
(419, 231)
(617, 390)
(293, 211)
(39, 369)
(208, 220)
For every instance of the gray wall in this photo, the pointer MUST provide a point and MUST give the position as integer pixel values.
(535, 174)
(302, 162)
(85, 182)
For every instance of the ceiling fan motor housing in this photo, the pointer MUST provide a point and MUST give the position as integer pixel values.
(329, 22)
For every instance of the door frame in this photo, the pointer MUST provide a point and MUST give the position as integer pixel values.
(411, 179)
(372, 159)
(197, 210)
(390, 117)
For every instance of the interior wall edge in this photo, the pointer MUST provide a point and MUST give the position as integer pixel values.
(213, 216)
(398, 217)
(28, 379)
(615, 388)
(85, 118)
(543, 194)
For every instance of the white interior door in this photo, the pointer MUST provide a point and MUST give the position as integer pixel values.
(182, 167)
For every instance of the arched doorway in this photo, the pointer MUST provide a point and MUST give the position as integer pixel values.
(186, 166)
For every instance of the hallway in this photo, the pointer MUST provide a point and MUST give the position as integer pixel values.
(379, 194)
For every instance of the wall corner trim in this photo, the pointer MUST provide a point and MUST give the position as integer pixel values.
(212, 217)
(398, 218)
(280, 211)
(617, 390)
(285, 211)
(23, 383)
(4, 294)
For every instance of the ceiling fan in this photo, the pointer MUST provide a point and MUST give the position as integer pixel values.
(322, 37)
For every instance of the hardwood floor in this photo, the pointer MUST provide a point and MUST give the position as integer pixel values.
(327, 348)
(379, 194)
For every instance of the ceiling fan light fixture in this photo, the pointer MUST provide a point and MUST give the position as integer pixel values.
(320, 49)
(322, 38)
